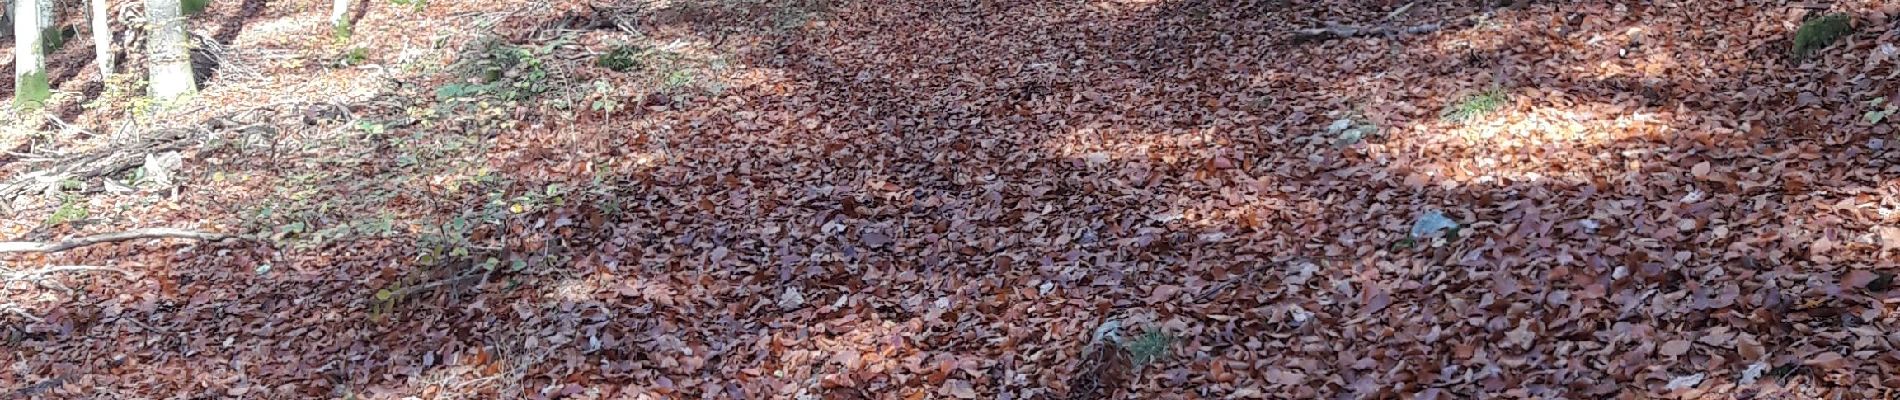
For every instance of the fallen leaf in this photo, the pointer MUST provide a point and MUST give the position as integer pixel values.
(1684, 382)
(1674, 348)
(959, 388)
(1285, 377)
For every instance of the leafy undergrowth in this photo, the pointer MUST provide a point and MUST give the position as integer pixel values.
(949, 199)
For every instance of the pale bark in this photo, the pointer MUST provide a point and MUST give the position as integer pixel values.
(102, 38)
(339, 13)
(48, 15)
(30, 86)
(148, 233)
(170, 58)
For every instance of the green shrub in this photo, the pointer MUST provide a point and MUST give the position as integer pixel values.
(1818, 33)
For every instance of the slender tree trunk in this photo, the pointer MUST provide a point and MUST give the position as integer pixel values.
(102, 38)
(30, 87)
(170, 58)
(340, 13)
(48, 18)
(6, 19)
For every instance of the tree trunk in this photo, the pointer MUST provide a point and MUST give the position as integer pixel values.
(102, 38)
(49, 17)
(6, 19)
(340, 13)
(170, 58)
(30, 88)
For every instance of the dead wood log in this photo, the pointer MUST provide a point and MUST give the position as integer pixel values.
(93, 164)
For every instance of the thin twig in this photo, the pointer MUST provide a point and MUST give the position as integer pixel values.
(63, 125)
(1334, 31)
(149, 233)
(16, 310)
(1401, 11)
(35, 274)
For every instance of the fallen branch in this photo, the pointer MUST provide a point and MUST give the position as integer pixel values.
(1348, 31)
(93, 164)
(1334, 31)
(150, 233)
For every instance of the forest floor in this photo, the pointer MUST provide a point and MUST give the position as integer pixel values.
(994, 199)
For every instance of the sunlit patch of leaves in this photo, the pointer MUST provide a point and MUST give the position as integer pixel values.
(1818, 33)
(1476, 105)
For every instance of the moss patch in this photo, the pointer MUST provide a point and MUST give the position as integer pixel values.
(193, 7)
(1818, 33)
(32, 90)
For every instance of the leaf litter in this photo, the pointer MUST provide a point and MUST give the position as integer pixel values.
(838, 199)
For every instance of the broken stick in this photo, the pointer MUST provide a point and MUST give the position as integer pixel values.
(1347, 31)
(1336, 31)
(149, 233)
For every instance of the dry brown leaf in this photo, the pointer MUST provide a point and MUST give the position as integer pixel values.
(959, 388)
(1674, 348)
